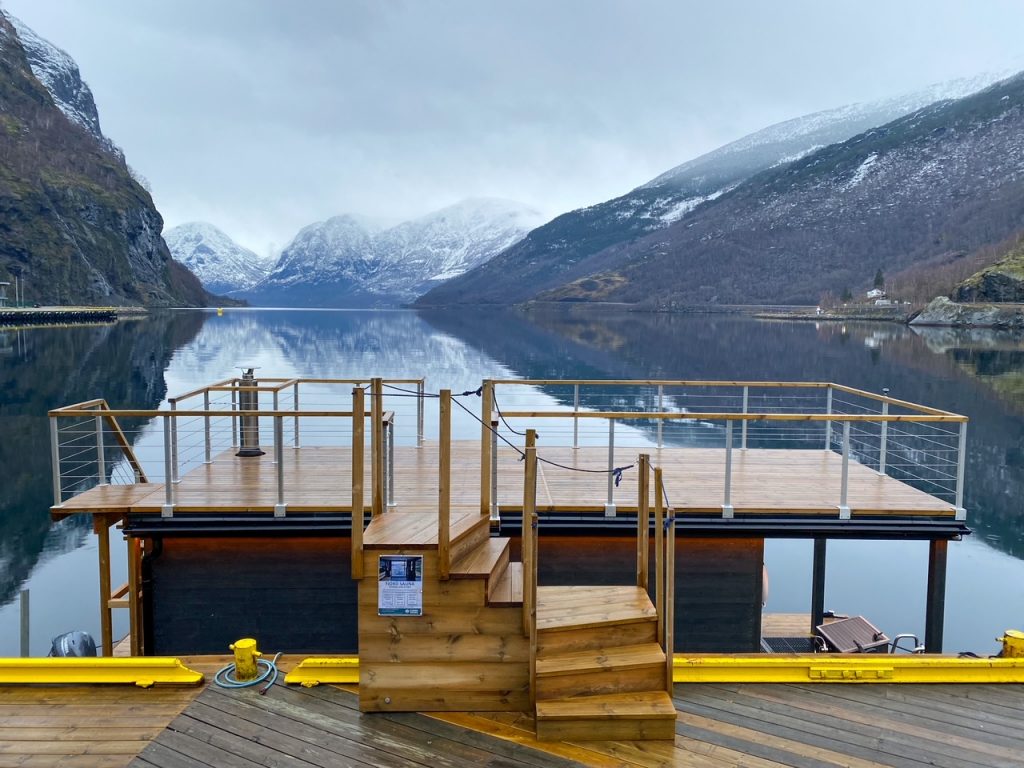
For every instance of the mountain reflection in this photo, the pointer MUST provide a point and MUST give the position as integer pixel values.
(978, 374)
(45, 368)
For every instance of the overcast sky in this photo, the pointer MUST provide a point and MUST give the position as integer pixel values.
(262, 116)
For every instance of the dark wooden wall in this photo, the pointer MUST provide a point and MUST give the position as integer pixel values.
(294, 595)
(718, 595)
(718, 583)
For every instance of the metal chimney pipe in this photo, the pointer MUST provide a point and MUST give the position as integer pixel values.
(248, 426)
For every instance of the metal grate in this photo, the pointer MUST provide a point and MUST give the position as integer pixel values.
(787, 644)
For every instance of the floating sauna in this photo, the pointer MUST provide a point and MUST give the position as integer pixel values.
(555, 564)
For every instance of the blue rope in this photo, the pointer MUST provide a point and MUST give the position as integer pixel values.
(225, 676)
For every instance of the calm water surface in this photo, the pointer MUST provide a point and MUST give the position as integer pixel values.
(50, 570)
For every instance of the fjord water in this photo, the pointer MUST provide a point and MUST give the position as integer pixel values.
(136, 363)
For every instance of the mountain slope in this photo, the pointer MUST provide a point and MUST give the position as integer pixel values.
(221, 264)
(349, 261)
(74, 226)
(541, 259)
(946, 179)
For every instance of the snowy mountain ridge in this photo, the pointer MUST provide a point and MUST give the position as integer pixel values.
(541, 259)
(819, 129)
(221, 264)
(59, 74)
(353, 261)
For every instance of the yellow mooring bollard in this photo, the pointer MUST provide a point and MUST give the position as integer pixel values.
(245, 658)
(1013, 644)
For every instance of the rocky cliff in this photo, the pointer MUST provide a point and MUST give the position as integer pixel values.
(75, 227)
(999, 283)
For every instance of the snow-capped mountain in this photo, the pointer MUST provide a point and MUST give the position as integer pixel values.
(541, 259)
(221, 264)
(351, 261)
(59, 74)
(916, 193)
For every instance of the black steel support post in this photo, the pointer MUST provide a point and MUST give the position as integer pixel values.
(936, 607)
(818, 584)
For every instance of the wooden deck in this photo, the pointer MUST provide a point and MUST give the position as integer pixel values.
(758, 726)
(318, 479)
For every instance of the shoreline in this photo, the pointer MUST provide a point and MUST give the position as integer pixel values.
(20, 316)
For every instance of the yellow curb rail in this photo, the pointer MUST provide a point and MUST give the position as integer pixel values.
(326, 669)
(844, 668)
(141, 671)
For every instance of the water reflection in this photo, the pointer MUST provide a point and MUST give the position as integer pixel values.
(134, 364)
(49, 367)
(979, 374)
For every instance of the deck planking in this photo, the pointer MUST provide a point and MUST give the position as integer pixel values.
(87, 726)
(753, 725)
(321, 727)
(318, 479)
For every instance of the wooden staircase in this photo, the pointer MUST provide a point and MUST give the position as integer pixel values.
(600, 671)
(467, 652)
(588, 660)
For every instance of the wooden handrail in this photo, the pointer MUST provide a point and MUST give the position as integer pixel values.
(696, 416)
(892, 400)
(643, 520)
(199, 391)
(444, 486)
(85, 404)
(358, 445)
(665, 382)
(705, 383)
(122, 440)
(187, 414)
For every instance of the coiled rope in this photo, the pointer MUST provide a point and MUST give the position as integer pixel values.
(225, 676)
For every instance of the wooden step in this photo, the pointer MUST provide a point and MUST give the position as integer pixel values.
(615, 716)
(643, 630)
(508, 588)
(487, 561)
(468, 533)
(562, 608)
(417, 529)
(619, 669)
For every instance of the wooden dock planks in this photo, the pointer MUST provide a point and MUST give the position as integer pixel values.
(87, 726)
(758, 726)
(318, 479)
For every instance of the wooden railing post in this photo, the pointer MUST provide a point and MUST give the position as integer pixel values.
(134, 612)
(102, 526)
(643, 520)
(659, 553)
(670, 593)
(444, 485)
(529, 553)
(377, 444)
(486, 449)
(358, 444)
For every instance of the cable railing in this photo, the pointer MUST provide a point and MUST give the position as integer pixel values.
(920, 446)
(92, 445)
